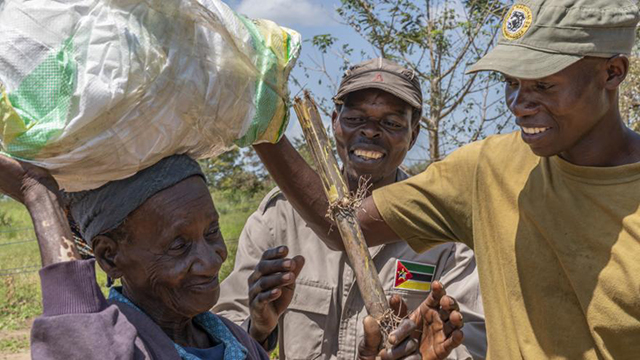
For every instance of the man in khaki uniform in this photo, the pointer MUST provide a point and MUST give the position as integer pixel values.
(552, 211)
(324, 319)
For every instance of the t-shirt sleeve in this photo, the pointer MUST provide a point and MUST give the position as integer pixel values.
(436, 205)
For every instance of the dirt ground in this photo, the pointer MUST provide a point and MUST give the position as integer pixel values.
(19, 336)
(18, 356)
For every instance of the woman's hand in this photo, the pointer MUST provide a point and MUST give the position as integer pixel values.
(19, 179)
(38, 191)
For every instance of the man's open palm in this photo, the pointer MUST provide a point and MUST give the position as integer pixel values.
(440, 322)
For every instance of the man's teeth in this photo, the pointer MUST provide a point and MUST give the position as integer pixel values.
(369, 154)
(532, 131)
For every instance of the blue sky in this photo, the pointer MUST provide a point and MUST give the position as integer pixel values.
(310, 18)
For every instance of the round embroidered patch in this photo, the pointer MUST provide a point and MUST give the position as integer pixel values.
(517, 22)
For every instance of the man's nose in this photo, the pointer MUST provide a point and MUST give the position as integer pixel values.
(521, 104)
(371, 129)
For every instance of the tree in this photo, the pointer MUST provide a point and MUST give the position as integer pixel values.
(439, 39)
(630, 90)
(237, 171)
(630, 95)
(240, 173)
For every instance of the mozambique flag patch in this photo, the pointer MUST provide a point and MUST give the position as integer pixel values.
(414, 276)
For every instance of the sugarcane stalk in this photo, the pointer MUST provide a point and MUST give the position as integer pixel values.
(345, 218)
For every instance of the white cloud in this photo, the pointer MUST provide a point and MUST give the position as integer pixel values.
(290, 13)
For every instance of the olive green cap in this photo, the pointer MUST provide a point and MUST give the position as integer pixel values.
(542, 37)
(385, 75)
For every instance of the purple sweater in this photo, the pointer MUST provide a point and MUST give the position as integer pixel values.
(79, 323)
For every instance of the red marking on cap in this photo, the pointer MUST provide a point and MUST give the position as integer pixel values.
(378, 78)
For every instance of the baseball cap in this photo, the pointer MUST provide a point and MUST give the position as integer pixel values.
(385, 75)
(542, 37)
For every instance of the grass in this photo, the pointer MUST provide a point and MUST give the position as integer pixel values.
(14, 344)
(20, 294)
(234, 211)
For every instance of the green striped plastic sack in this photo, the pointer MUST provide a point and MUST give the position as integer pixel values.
(96, 90)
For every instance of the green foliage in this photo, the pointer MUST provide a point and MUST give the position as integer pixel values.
(323, 42)
(236, 173)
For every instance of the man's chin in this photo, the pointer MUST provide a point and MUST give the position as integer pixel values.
(543, 152)
(358, 176)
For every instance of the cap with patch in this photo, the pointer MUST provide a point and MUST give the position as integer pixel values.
(542, 37)
(385, 75)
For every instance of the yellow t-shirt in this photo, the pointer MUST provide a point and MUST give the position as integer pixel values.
(557, 245)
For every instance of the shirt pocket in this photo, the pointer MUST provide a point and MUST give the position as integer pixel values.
(304, 322)
(413, 299)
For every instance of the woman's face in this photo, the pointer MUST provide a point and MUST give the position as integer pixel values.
(173, 252)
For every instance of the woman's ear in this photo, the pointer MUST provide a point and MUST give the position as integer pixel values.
(106, 250)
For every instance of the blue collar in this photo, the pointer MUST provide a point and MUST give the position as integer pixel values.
(233, 350)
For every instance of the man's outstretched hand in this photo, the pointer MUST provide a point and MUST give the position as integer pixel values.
(430, 332)
(271, 288)
(441, 322)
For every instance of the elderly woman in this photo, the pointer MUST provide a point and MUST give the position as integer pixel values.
(158, 232)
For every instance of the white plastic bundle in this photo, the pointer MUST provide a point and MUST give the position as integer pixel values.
(96, 90)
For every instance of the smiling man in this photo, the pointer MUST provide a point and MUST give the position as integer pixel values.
(375, 122)
(552, 211)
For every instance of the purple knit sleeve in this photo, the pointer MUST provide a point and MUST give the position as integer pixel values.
(70, 288)
(78, 323)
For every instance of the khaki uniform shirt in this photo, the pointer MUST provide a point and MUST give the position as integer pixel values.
(324, 319)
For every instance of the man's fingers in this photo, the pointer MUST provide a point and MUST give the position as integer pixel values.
(275, 253)
(370, 345)
(398, 306)
(455, 323)
(268, 267)
(298, 261)
(401, 351)
(270, 282)
(443, 349)
(437, 292)
(264, 298)
(402, 332)
(433, 321)
(418, 315)
(449, 304)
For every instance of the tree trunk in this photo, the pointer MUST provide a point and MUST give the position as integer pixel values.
(433, 127)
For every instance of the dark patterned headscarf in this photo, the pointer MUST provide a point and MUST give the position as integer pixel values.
(99, 211)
